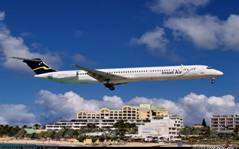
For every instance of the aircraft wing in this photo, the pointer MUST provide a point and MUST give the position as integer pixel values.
(103, 77)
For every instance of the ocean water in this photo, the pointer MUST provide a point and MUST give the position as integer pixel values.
(26, 146)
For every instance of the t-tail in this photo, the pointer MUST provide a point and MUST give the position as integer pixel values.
(37, 65)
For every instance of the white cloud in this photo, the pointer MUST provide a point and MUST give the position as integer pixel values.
(65, 106)
(2, 15)
(207, 31)
(153, 40)
(204, 107)
(169, 104)
(14, 46)
(156, 43)
(227, 101)
(16, 114)
(193, 107)
(112, 102)
(170, 7)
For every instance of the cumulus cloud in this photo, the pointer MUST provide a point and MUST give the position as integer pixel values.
(65, 106)
(54, 107)
(197, 106)
(154, 40)
(193, 107)
(207, 31)
(2, 15)
(170, 7)
(112, 102)
(11, 45)
(16, 114)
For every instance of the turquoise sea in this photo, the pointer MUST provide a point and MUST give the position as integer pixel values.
(26, 146)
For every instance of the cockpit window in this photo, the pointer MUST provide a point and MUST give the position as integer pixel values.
(209, 67)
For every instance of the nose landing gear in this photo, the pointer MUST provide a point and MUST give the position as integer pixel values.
(212, 80)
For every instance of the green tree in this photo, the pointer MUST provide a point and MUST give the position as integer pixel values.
(81, 138)
(6, 130)
(60, 134)
(195, 131)
(205, 131)
(36, 126)
(102, 138)
(213, 134)
(186, 131)
(75, 133)
(94, 139)
(204, 123)
(24, 126)
(121, 128)
(68, 133)
(119, 124)
(88, 128)
(50, 134)
(34, 136)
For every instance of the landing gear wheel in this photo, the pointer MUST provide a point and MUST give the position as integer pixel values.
(110, 86)
(212, 80)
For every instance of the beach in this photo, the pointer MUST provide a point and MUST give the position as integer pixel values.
(76, 143)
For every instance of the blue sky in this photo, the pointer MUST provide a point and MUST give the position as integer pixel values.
(107, 34)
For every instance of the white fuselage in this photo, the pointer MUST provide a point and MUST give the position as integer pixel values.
(137, 74)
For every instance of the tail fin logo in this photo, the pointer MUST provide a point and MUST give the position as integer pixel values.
(37, 65)
(42, 67)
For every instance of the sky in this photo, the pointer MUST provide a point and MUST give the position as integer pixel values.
(108, 34)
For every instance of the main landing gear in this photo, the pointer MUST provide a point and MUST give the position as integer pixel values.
(110, 86)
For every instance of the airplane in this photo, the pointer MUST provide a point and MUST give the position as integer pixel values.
(116, 76)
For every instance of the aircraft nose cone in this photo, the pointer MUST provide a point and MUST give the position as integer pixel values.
(220, 73)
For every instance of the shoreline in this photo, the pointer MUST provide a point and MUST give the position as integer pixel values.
(76, 143)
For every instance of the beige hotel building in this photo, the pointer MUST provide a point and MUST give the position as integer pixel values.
(105, 118)
(150, 120)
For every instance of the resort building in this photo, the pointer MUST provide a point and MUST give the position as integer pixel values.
(145, 116)
(168, 128)
(105, 118)
(224, 123)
